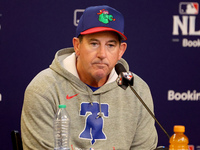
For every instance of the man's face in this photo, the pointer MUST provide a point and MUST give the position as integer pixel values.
(97, 55)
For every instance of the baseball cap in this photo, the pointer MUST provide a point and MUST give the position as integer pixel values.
(101, 18)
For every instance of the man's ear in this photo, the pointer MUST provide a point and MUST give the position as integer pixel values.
(76, 44)
(122, 49)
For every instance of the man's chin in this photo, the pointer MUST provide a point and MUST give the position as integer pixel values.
(100, 75)
(100, 66)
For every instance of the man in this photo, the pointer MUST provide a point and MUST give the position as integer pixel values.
(103, 115)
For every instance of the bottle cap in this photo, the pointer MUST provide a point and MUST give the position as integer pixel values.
(179, 128)
(62, 106)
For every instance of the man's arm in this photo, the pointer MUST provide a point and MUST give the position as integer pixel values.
(37, 119)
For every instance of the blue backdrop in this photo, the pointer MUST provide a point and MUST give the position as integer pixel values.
(163, 49)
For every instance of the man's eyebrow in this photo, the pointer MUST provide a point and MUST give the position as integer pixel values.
(90, 40)
(114, 41)
(96, 40)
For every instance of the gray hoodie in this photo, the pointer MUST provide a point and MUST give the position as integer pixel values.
(109, 118)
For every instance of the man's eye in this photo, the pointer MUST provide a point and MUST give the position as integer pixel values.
(94, 44)
(111, 45)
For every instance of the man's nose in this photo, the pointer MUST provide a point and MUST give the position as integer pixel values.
(101, 52)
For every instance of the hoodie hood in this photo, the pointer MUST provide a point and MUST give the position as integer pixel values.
(64, 64)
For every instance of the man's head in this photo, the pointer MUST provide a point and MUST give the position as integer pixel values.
(98, 44)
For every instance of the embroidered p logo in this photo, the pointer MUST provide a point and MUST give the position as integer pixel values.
(93, 124)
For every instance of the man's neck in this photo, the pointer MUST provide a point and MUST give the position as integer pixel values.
(93, 82)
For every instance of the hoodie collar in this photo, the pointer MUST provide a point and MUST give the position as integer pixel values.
(69, 63)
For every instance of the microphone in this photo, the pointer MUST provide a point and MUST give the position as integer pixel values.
(124, 80)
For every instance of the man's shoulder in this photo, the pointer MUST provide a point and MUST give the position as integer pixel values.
(45, 74)
(43, 79)
(140, 85)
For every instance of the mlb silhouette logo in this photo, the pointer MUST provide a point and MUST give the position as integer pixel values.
(191, 147)
(189, 8)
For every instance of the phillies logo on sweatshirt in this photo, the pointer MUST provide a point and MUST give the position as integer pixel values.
(94, 122)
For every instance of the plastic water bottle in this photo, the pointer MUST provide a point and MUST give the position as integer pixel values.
(61, 129)
(178, 141)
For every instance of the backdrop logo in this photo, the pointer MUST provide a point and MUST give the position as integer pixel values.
(77, 15)
(188, 8)
(184, 96)
(191, 147)
(184, 24)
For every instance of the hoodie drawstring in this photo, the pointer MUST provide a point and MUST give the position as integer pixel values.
(90, 97)
(100, 113)
(91, 102)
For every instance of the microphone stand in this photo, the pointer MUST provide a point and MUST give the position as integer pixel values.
(125, 80)
(148, 109)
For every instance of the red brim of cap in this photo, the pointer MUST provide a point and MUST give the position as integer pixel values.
(101, 29)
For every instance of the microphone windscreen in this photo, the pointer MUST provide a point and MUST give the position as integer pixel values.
(119, 68)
